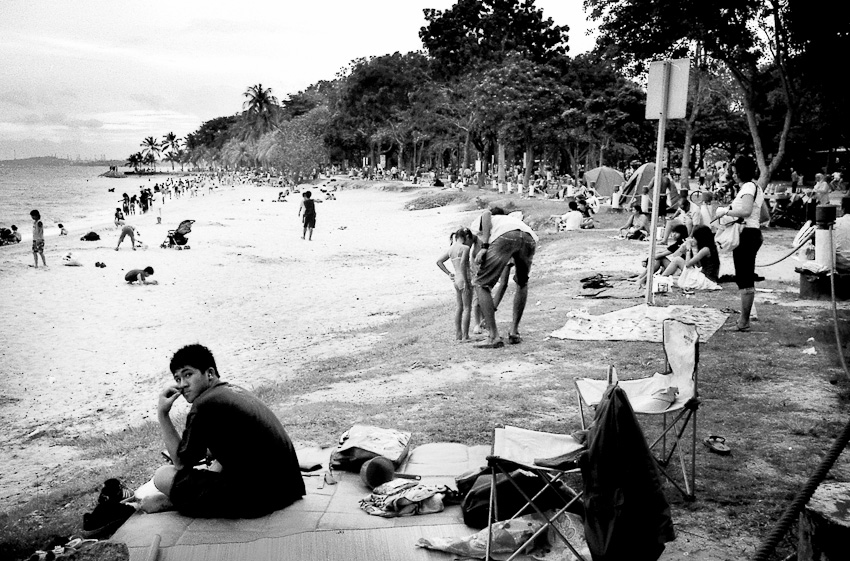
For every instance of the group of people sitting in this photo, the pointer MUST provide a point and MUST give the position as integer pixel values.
(690, 226)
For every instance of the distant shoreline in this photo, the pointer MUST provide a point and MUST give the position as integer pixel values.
(53, 161)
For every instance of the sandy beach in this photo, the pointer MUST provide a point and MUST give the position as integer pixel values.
(86, 353)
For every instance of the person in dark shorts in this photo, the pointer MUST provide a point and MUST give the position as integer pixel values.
(255, 469)
(140, 276)
(502, 238)
(308, 205)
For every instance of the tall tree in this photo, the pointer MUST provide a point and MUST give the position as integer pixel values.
(260, 109)
(753, 39)
(479, 34)
(151, 148)
(170, 144)
(523, 102)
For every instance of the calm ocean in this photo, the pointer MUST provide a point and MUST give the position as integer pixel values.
(71, 195)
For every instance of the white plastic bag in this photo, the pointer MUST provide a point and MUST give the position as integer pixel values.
(728, 237)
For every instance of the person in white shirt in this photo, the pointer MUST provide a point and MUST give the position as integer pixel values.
(502, 238)
(572, 220)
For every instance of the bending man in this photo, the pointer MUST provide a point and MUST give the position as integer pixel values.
(502, 238)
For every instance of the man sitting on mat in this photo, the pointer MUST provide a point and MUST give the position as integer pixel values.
(255, 470)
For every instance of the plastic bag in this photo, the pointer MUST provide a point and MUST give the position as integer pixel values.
(728, 237)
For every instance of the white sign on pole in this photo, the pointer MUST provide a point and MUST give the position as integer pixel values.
(677, 99)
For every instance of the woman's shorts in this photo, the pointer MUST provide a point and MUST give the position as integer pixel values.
(515, 244)
(744, 257)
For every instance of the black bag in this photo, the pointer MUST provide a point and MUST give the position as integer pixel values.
(90, 237)
(476, 502)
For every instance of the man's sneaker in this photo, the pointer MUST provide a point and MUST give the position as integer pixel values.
(114, 492)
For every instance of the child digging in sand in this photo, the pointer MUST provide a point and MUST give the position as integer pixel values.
(140, 276)
(461, 241)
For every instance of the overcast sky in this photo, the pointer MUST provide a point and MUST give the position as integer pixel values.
(93, 77)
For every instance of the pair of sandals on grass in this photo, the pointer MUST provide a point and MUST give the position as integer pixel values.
(512, 340)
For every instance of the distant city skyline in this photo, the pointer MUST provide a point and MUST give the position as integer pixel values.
(98, 76)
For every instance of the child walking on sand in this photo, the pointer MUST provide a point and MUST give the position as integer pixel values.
(37, 238)
(458, 252)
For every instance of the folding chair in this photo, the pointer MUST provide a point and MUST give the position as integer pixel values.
(673, 393)
(515, 448)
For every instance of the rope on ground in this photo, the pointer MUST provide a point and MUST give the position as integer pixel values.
(838, 445)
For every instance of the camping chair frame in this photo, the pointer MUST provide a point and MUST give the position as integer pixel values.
(674, 420)
(550, 477)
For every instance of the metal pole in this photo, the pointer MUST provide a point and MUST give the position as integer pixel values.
(656, 197)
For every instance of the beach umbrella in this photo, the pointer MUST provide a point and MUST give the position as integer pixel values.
(605, 178)
(642, 177)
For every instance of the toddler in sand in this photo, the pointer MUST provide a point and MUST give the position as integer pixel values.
(461, 241)
(140, 276)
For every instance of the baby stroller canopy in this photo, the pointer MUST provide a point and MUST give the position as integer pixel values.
(177, 238)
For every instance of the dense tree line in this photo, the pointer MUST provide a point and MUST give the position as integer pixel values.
(495, 84)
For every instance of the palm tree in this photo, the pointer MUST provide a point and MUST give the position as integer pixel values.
(260, 110)
(150, 160)
(151, 149)
(172, 157)
(171, 143)
(134, 161)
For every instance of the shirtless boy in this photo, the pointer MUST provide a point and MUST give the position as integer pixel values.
(140, 276)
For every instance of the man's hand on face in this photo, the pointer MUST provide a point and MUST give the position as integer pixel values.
(167, 398)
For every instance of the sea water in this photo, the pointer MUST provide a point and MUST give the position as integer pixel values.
(74, 196)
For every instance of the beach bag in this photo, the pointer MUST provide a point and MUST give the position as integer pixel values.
(90, 237)
(728, 237)
(364, 442)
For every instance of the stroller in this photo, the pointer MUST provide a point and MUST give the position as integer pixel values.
(177, 238)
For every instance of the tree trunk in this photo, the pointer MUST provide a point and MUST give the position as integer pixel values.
(529, 162)
(501, 150)
(466, 143)
(685, 171)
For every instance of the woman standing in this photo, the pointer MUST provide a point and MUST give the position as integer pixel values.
(747, 206)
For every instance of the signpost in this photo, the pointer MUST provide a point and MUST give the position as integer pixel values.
(666, 98)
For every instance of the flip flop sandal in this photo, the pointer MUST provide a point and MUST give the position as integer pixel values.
(514, 339)
(717, 444)
(497, 345)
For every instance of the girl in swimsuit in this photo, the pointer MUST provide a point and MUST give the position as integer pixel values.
(458, 252)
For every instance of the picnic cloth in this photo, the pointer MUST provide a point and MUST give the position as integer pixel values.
(639, 323)
(326, 524)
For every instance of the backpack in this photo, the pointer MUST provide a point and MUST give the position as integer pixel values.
(476, 501)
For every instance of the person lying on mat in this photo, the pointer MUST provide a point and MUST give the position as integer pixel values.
(255, 469)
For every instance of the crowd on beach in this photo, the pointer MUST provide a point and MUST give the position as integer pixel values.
(690, 219)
